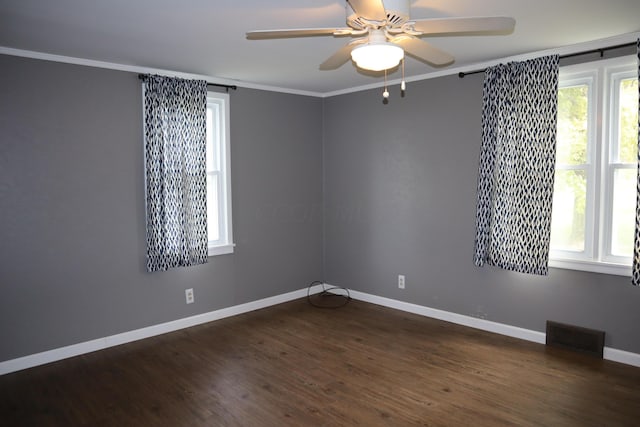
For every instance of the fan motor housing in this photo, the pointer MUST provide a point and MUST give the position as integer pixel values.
(397, 14)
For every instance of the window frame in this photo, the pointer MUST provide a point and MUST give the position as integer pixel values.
(218, 146)
(602, 77)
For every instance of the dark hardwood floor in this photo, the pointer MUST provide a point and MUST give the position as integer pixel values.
(296, 365)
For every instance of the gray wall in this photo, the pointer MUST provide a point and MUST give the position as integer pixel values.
(400, 198)
(72, 207)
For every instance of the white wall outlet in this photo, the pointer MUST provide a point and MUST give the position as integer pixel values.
(401, 281)
(189, 295)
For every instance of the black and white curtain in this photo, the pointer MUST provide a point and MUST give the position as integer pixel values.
(517, 163)
(175, 172)
(635, 268)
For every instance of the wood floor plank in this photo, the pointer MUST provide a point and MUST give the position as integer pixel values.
(297, 365)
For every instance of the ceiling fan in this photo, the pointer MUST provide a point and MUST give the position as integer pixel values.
(384, 31)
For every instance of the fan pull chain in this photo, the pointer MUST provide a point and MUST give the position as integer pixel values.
(403, 84)
(385, 94)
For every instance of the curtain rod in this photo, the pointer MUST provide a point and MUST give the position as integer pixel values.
(601, 51)
(227, 87)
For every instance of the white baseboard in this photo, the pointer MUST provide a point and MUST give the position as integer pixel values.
(54, 355)
(138, 334)
(447, 316)
(612, 354)
(622, 356)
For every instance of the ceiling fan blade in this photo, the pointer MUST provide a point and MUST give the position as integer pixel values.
(494, 24)
(341, 56)
(423, 50)
(281, 34)
(373, 10)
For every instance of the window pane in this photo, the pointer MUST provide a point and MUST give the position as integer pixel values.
(210, 148)
(569, 211)
(624, 212)
(628, 121)
(571, 147)
(213, 226)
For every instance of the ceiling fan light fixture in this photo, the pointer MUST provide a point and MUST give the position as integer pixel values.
(377, 56)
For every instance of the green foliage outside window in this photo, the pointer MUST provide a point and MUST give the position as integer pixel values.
(572, 125)
(628, 130)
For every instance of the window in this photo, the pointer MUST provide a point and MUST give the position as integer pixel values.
(218, 175)
(592, 226)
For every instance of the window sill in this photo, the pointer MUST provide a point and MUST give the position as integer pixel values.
(592, 266)
(221, 250)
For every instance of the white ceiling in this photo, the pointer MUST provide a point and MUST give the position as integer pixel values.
(207, 37)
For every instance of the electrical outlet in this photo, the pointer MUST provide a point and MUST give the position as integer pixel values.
(189, 295)
(401, 281)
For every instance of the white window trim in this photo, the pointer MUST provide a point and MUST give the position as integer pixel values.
(592, 266)
(224, 245)
(599, 170)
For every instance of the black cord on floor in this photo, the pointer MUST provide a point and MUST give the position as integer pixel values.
(327, 291)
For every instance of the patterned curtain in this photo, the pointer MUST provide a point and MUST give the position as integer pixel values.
(517, 162)
(635, 269)
(175, 172)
